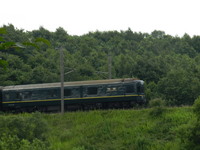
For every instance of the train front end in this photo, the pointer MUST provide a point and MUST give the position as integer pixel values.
(140, 92)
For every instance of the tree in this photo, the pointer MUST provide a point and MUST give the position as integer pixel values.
(10, 41)
(158, 34)
(179, 87)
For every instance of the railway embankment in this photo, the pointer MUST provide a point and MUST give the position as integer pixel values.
(142, 129)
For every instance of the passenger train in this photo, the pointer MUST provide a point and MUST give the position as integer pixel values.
(94, 94)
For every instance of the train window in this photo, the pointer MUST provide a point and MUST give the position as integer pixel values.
(7, 96)
(53, 93)
(130, 89)
(140, 88)
(111, 89)
(27, 95)
(92, 90)
(18, 96)
(67, 92)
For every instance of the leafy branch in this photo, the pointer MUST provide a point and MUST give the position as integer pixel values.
(5, 45)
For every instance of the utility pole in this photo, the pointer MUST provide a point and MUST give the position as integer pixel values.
(109, 66)
(62, 79)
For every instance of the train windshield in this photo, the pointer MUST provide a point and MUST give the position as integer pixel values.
(140, 87)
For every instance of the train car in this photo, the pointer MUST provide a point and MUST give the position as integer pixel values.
(111, 93)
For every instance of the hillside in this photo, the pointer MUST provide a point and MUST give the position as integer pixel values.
(142, 129)
(169, 65)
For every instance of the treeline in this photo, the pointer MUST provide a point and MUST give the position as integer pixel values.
(170, 66)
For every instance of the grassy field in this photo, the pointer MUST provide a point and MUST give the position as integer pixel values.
(139, 129)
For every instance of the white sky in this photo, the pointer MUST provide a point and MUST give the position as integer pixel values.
(77, 17)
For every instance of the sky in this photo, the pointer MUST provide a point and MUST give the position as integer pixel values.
(78, 17)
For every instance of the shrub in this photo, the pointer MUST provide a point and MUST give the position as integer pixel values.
(157, 106)
(193, 134)
(197, 108)
(23, 132)
(27, 128)
(157, 102)
(8, 142)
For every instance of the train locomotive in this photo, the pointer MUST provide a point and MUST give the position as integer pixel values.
(46, 97)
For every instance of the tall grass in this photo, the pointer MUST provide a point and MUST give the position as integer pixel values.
(99, 130)
(118, 129)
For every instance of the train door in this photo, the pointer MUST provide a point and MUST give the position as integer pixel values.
(81, 91)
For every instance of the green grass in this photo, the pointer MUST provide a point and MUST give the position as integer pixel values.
(119, 129)
(142, 129)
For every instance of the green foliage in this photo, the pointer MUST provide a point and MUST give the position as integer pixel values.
(191, 134)
(119, 129)
(151, 91)
(180, 87)
(157, 102)
(104, 129)
(8, 142)
(169, 65)
(158, 107)
(157, 112)
(8, 46)
(193, 137)
(197, 108)
(23, 132)
(3, 64)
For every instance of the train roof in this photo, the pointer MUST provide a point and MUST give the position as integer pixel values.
(74, 83)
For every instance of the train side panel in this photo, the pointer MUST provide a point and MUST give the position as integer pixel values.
(48, 99)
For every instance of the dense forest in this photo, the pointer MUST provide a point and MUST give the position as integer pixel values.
(170, 66)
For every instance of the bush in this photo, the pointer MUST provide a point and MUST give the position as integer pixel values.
(194, 136)
(23, 132)
(197, 108)
(157, 102)
(193, 131)
(8, 142)
(158, 107)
